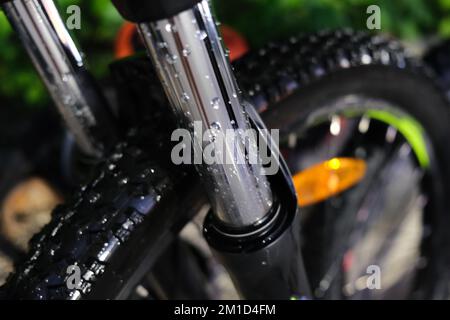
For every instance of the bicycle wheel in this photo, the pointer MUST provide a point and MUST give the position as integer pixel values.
(364, 134)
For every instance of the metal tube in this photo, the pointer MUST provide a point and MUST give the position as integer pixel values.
(193, 67)
(61, 67)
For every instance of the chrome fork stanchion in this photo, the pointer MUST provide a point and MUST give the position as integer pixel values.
(60, 65)
(194, 69)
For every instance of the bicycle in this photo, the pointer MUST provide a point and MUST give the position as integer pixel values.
(354, 130)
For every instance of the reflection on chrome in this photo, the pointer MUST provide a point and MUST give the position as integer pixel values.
(194, 69)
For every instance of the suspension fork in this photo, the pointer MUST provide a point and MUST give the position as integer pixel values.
(253, 224)
(61, 67)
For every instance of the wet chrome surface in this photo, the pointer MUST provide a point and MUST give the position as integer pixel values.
(59, 63)
(194, 69)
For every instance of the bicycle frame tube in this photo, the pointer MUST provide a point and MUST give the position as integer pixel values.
(60, 65)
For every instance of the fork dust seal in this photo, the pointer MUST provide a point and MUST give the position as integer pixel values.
(263, 260)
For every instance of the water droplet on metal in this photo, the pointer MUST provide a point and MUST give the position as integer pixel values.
(67, 99)
(171, 58)
(169, 27)
(162, 45)
(216, 126)
(215, 103)
(201, 35)
(186, 51)
(185, 97)
(79, 112)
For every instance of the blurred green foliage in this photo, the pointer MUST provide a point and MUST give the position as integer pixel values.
(258, 20)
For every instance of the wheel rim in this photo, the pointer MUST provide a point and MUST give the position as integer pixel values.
(375, 213)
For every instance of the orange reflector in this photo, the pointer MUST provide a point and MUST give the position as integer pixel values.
(327, 179)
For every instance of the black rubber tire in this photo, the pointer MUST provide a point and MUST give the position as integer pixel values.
(80, 231)
(376, 68)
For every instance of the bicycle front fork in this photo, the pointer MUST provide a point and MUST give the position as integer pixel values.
(61, 67)
(253, 225)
